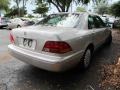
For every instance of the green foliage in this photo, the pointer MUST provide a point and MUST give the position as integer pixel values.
(115, 9)
(18, 2)
(82, 1)
(102, 10)
(97, 2)
(30, 16)
(14, 12)
(41, 8)
(80, 9)
(63, 5)
(4, 4)
(101, 7)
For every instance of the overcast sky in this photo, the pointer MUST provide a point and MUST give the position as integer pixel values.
(30, 6)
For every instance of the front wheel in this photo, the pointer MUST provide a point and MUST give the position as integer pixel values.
(109, 40)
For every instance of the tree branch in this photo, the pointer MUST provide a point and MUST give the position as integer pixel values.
(57, 1)
(56, 6)
(67, 8)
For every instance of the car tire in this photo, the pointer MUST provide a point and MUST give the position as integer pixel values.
(109, 40)
(86, 59)
(8, 28)
(18, 26)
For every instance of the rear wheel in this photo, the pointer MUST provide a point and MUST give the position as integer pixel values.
(18, 26)
(86, 59)
(8, 28)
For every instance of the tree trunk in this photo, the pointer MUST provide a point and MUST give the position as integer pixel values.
(18, 11)
(23, 8)
(0, 13)
(67, 9)
(62, 7)
(17, 2)
(56, 6)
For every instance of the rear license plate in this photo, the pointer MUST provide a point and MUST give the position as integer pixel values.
(27, 43)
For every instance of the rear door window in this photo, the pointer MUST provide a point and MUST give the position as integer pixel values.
(98, 22)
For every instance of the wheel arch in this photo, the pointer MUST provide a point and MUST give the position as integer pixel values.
(18, 25)
(91, 47)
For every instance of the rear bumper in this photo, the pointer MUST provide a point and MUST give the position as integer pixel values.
(3, 25)
(47, 62)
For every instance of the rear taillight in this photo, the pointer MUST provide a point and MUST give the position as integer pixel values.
(59, 47)
(11, 38)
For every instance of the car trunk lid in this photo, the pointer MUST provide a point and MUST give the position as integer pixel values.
(39, 35)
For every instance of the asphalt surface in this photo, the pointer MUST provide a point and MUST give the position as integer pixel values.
(16, 75)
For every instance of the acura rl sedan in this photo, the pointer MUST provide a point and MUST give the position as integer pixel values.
(60, 41)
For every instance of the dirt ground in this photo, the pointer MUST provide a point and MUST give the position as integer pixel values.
(111, 72)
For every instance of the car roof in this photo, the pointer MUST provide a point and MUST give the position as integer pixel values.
(84, 13)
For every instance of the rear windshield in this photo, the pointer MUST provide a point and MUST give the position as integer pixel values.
(61, 20)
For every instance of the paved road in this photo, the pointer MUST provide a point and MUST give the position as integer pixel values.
(16, 75)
